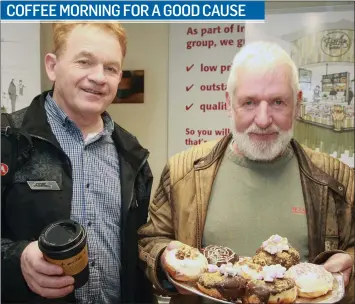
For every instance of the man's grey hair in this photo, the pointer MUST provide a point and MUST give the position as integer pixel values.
(259, 57)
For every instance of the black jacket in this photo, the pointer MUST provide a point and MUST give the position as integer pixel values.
(26, 212)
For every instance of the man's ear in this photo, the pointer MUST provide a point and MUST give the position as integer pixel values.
(229, 105)
(50, 62)
(298, 103)
(120, 77)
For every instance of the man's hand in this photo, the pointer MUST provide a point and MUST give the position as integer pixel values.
(44, 278)
(173, 245)
(340, 262)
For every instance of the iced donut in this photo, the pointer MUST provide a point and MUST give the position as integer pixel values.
(185, 264)
(312, 280)
(276, 250)
(218, 255)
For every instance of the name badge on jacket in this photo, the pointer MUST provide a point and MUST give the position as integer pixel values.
(43, 185)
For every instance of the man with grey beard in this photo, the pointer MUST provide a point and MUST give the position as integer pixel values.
(254, 183)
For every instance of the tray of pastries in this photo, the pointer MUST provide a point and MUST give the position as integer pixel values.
(273, 275)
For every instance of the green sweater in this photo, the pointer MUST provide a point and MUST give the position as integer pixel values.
(250, 201)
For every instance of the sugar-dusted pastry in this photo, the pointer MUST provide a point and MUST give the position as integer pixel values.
(273, 288)
(218, 255)
(185, 263)
(247, 269)
(312, 280)
(277, 250)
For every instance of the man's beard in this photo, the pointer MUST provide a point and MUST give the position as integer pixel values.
(261, 150)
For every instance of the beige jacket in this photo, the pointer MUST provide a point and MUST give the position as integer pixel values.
(178, 210)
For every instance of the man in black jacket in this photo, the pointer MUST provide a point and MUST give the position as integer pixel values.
(97, 172)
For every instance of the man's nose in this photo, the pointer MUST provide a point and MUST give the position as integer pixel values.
(263, 118)
(97, 74)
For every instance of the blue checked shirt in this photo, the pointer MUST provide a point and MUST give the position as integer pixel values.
(96, 202)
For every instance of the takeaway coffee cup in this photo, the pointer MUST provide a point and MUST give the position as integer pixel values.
(64, 243)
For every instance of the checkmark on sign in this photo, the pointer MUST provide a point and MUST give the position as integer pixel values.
(188, 107)
(189, 68)
(189, 88)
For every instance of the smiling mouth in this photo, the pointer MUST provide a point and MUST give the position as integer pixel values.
(262, 135)
(92, 92)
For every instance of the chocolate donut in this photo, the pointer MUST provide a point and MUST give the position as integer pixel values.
(219, 255)
(276, 250)
(285, 258)
(279, 291)
(257, 292)
(224, 287)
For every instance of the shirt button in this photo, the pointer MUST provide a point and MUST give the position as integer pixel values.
(92, 264)
(89, 224)
(87, 185)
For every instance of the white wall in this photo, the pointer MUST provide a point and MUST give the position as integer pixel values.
(148, 50)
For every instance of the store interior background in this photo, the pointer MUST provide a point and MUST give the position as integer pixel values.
(148, 49)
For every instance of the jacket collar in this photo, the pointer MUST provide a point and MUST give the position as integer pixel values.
(36, 123)
(305, 163)
(313, 172)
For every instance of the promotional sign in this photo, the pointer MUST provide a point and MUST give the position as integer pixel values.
(327, 46)
(305, 78)
(200, 57)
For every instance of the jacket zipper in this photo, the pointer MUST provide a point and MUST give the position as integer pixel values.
(71, 169)
(132, 192)
(48, 141)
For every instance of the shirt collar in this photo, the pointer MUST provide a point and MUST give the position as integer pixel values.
(61, 117)
(55, 111)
